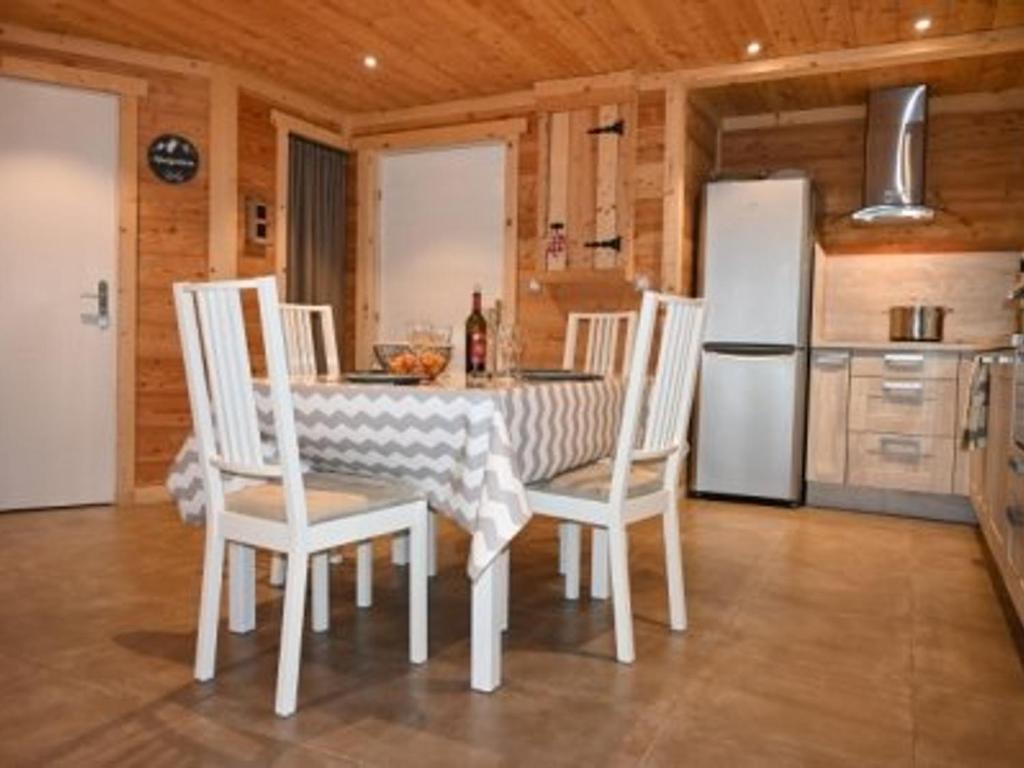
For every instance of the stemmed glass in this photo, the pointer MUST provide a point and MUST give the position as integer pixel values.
(510, 350)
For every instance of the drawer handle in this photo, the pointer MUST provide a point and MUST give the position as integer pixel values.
(903, 359)
(1016, 465)
(903, 387)
(1015, 516)
(900, 448)
(832, 358)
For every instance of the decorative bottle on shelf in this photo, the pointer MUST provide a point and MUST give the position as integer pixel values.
(476, 340)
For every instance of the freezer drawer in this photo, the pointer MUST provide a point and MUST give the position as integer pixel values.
(750, 433)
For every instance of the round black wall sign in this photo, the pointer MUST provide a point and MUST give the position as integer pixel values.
(173, 158)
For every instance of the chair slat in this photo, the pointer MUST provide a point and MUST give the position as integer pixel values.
(602, 344)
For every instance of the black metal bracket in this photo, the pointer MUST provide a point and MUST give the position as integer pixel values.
(615, 243)
(618, 127)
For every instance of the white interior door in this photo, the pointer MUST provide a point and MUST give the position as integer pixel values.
(58, 240)
(442, 231)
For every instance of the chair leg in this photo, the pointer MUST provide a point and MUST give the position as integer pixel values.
(599, 564)
(674, 566)
(418, 567)
(321, 599)
(209, 607)
(618, 551)
(562, 557)
(572, 561)
(431, 544)
(241, 588)
(400, 549)
(278, 564)
(364, 573)
(291, 634)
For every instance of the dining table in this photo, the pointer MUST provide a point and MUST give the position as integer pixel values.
(471, 450)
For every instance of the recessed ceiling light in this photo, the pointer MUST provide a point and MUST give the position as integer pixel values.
(370, 61)
(753, 47)
(923, 24)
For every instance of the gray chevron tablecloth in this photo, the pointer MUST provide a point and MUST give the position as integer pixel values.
(470, 451)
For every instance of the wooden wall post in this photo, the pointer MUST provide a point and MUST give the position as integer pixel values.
(367, 314)
(223, 224)
(673, 257)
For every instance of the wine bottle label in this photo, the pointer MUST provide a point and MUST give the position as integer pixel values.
(478, 349)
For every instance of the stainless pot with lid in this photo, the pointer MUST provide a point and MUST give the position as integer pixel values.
(917, 322)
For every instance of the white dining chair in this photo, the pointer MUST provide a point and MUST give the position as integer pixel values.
(641, 479)
(601, 354)
(302, 517)
(298, 322)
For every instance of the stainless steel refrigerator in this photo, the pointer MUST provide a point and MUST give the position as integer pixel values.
(755, 271)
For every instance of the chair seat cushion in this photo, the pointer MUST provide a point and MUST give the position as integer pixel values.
(329, 496)
(594, 481)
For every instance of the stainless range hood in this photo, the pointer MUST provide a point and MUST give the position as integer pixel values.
(894, 150)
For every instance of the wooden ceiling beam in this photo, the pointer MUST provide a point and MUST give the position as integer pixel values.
(937, 105)
(48, 72)
(94, 49)
(999, 41)
(465, 133)
(461, 110)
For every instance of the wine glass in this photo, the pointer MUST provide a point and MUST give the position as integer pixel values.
(510, 349)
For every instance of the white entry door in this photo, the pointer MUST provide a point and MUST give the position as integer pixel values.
(442, 231)
(58, 244)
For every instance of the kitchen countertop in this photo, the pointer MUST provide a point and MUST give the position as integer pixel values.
(980, 345)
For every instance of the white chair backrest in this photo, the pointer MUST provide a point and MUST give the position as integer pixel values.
(298, 321)
(668, 395)
(603, 331)
(220, 388)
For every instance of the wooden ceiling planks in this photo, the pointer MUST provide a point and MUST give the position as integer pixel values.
(439, 50)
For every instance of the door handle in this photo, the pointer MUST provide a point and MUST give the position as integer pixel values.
(1015, 516)
(102, 297)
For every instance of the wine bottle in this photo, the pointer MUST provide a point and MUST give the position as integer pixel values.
(476, 340)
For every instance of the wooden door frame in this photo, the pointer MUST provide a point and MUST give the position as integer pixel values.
(369, 150)
(128, 90)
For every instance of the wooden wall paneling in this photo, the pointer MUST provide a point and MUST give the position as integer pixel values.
(648, 201)
(223, 221)
(541, 185)
(127, 290)
(701, 141)
(511, 261)
(858, 290)
(607, 224)
(974, 176)
(625, 186)
(367, 314)
(173, 245)
(556, 184)
(674, 216)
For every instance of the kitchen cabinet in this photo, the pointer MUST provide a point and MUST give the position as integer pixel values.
(997, 489)
(883, 428)
(826, 417)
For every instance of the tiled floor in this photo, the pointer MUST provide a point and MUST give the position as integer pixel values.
(816, 638)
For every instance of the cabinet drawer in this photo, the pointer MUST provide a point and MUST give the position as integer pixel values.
(909, 406)
(906, 365)
(901, 462)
